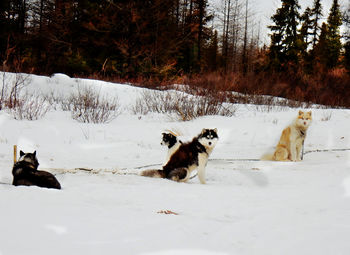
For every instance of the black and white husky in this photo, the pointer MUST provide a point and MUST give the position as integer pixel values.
(25, 172)
(188, 157)
(171, 141)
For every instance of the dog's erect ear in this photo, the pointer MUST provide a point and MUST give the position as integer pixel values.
(309, 113)
(21, 153)
(171, 133)
(34, 153)
(215, 130)
(301, 112)
(204, 130)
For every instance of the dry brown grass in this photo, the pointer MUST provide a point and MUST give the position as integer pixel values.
(324, 87)
(329, 88)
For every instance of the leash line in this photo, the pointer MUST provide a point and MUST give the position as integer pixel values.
(325, 150)
(234, 159)
(254, 160)
(120, 171)
(140, 167)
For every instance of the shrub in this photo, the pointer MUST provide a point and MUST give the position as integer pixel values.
(154, 101)
(89, 106)
(29, 107)
(11, 85)
(184, 105)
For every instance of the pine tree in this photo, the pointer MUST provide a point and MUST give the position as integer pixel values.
(284, 46)
(4, 28)
(320, 50)
(347, 38)
(346, 19)
(347, 55)
(316, 13)
(304, 39)
(305, 29)
(333, 36)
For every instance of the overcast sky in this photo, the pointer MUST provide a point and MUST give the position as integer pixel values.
(264, 9)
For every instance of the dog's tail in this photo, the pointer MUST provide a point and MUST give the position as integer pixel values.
(267, 156)
(154, 173)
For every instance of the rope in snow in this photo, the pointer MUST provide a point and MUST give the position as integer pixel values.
(254, 159)
(140, 167)
(234, 159)
(325, 150)
(124, 171)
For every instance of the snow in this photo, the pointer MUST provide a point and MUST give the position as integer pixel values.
(246, 207)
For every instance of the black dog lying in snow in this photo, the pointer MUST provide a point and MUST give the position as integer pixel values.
(25, 173)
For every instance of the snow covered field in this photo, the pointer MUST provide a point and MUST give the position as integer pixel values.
(246, 207)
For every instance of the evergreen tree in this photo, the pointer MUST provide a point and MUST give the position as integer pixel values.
(320, 50)
(305, 29)
(304, 39)
(316, 13)
(13, 23)
(4, 28)
(196, 34)
(347, 38)
(347, 55)
(346, 19)
(333, 36)
(285, 45)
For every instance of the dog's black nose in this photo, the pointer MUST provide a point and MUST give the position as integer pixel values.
(209, 143)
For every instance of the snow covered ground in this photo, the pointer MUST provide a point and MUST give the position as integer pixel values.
(246, 207)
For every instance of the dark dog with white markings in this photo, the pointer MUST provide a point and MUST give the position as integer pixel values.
(188, 157)
(171, 141)
(25, 172)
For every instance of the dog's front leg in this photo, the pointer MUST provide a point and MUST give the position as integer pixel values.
(201, 173)
(293, 151)
(202, 163)
(298, 149)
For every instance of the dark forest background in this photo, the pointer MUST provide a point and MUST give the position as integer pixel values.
(158, 42)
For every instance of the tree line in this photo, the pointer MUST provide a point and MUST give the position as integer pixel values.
(301, 39)
(165, 39)
(313, 54)
(118, 38)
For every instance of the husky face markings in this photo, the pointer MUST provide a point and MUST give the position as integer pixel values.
(290, 144)
(191, 156)
(169, 140)
(188, 157)
(172, 142)
(208, 137)
(25, 173)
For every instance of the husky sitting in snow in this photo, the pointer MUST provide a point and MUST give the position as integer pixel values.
(25, 172)
(289, 147)
(171, 141)
(188, 157)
